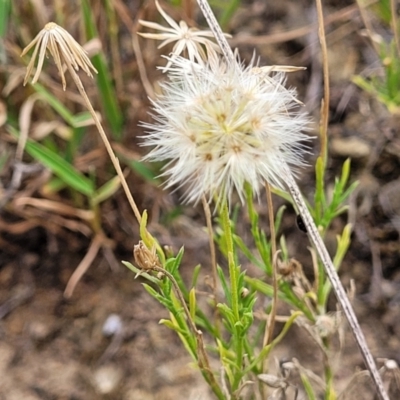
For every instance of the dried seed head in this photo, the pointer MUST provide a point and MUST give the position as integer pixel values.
(328, 324)
(63, 48)
(289, 268)
(144, 258)
(272, 380)
(191, 40)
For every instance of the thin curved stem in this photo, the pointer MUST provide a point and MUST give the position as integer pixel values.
(217, 31)
(334, 279)
(233, 270)
(107, 144)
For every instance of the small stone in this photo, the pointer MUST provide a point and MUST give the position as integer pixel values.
(353, 147)
(40, 330)
(112, 325)
(107, 379)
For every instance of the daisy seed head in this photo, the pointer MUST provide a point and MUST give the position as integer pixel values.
(221, 125)
(62, 47)
(190, 40)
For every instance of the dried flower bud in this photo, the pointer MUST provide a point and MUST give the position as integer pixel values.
(326, 325)
(289, 268)
(144, 258)
(272, 380)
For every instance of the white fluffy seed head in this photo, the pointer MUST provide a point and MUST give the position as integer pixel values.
(220, 126)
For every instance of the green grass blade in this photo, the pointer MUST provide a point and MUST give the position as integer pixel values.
(5, 8)
(65, 171)
(61, 168)
(108, 96)
(63, 111)
(106, 191)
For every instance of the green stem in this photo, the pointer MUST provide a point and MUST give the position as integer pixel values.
(233, 270)
(330, 392)
(234, 280)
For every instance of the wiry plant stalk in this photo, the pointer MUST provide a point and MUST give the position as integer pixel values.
(106, 142)
(313, 231)
(216, 29)
(334, 279)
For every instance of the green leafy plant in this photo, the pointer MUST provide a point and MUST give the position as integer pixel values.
(211, 114)
(208, 120)
(384, 83)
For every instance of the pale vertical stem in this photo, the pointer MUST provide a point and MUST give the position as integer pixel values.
(217, 31)
(325, 67)
(269, 329)
(83, 266)
(334, 279)
(106, 142)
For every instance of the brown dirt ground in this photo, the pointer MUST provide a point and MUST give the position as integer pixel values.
(54, 348)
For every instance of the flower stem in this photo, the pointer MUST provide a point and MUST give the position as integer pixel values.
(207, 213)
(233, 270)
(334, 278)
(217, 31)
(202, 360)
(237, 333)
(106, 142)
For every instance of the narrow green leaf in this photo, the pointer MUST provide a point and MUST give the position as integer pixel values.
(224, 284)
(173, 264)
(343, 245)
(106, 191)
(192, 303)
(168, 323)
(196, 272)
(308, 387)
(5, 7)
(142, 170)
(65, 171)
(137, 271)
(54, 185)
(54, 103)
(228, 12)
(82, 119)
(345, 174)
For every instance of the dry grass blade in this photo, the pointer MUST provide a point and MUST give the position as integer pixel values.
(83, 265)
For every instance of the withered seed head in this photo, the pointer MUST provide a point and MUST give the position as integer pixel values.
(289, 268)
(145, 259)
